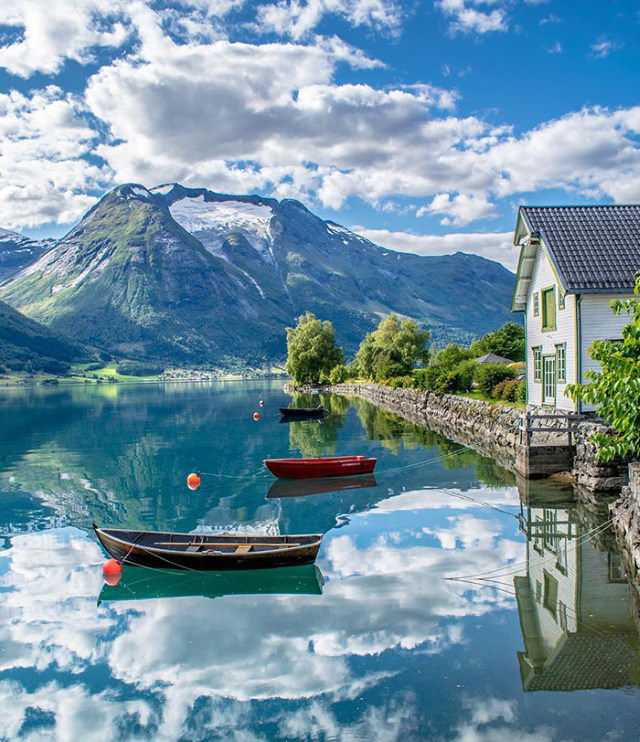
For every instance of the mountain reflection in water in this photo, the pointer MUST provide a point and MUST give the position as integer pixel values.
(389, 648)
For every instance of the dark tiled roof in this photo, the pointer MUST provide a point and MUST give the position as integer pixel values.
(585, 660)
(593, 248)
(493, 358)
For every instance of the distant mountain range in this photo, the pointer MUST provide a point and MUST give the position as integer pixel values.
(189, 276)
(18, 251)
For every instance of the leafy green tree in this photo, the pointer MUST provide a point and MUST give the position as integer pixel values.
(393, 349)
(507, 341)
(614, 388)
(311, 349)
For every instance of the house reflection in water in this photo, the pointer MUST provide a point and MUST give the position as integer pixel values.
(574, 605)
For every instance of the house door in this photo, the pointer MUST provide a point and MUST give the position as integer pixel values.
(549, 380)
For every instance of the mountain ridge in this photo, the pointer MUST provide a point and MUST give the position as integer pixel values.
(188, 274)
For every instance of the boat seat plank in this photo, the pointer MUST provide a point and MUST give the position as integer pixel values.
(243, 548)
(193, 547)
(189, 544)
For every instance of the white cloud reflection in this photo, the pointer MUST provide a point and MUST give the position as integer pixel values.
(185, 652)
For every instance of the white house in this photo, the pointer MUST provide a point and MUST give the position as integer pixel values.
(574, 260)
(574, 608)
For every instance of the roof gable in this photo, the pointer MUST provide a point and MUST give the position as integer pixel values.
(592, 248)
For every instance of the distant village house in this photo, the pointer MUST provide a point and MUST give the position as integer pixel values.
(574, 260)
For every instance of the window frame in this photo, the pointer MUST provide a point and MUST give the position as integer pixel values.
(561, 377)
(537, 363)
(546, 327)
(549, 581)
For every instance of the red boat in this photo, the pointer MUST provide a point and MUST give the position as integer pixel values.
(329, 466)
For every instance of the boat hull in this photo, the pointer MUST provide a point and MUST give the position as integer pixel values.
(271, 552)
(343, 466)
(282, 488)
(138, 583)
(307, 413)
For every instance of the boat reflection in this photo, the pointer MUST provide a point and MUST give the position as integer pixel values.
(303, 487)
(574, 604)
(141, 583)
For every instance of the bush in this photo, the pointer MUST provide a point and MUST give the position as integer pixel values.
(139, 368)
(400, 382)
(338, 374)
(507, 389)
(489, 375)
(521, 393)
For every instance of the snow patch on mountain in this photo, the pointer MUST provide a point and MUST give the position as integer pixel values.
(212, 221)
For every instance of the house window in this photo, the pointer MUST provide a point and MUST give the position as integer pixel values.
(550, 599)
(561, 362)
(537, 363)
(616, 568)
(561, 298)
(562, 615)
(536, 304)
(538, 591)
(549, 309)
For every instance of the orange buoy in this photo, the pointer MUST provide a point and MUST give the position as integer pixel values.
(256, 416)
(261, 403)
(193, 481)
(112, 571)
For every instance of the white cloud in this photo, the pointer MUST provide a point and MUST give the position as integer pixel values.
(492, 245)
(473, 16)
(297, 19)
(603, 47)
(43, 141)
(459, 209)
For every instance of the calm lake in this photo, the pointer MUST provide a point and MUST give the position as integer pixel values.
(534, 640)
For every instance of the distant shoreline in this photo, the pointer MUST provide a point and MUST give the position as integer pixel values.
(72, 382)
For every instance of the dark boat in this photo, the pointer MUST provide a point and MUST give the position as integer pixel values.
(308, 413)
(138, 583)
(305, 487)
(215, 552)
(328, 466)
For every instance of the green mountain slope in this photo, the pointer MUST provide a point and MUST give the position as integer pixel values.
(188, 275)
(25, 343)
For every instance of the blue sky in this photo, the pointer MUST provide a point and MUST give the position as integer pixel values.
(422, 124)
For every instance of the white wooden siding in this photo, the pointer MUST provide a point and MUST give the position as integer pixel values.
(544, 277)
(599, 323)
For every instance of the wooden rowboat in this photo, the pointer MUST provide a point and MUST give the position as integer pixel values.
(328, 466)
(167, 550)
(304, 412)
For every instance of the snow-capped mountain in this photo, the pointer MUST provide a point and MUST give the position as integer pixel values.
(18, 251)
(190, 275)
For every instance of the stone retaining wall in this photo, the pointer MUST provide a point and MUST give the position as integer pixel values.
(625, 513)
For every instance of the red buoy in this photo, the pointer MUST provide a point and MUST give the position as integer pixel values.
(193, 481)
(256, 416)
(112, 571)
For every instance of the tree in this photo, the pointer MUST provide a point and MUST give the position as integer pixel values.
(393, 349)
(311, 349)
(614, 388)
(507, 341)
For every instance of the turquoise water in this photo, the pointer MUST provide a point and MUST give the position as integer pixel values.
(534, 640)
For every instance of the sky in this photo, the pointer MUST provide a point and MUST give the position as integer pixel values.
(422, 125)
